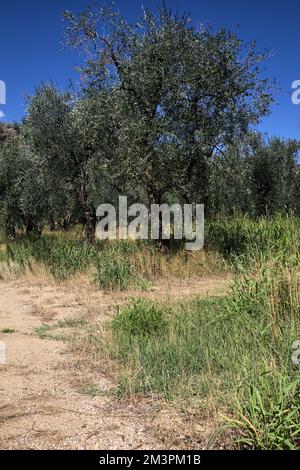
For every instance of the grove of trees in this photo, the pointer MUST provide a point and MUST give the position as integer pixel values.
(165, 112)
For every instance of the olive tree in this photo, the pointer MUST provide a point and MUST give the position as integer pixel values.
(23, 187)
(183, 94)
(71, 133)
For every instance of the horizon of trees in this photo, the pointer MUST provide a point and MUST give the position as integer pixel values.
(165, 113)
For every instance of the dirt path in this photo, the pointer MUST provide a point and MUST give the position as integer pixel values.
(40, 407)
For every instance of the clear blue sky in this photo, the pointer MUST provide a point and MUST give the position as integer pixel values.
(31, 49)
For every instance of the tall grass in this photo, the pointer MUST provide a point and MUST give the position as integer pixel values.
(269, 419)
(115, 265)
(225, 352)
(63, 259)
(244, 241)
(112, 272)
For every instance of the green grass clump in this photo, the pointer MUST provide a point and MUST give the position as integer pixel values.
(48, 332)
(61, 257)
(269, 419)
(8, 331)
(144, 284)
(112, 271)
(140, 318)
(19, 254)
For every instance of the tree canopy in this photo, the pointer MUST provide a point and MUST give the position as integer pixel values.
(165, 111)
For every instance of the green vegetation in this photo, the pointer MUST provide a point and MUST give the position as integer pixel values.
(250, 239)
(53, 331)
(110, 266)
(233, 352)
(269, 420)
(227, 356)
(164, 109)
(48, 332)
(7, 331)
(112, 272)
(166, 113)
(140, 319)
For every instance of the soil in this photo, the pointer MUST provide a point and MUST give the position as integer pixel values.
(41, 405)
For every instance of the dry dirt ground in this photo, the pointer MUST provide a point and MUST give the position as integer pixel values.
(41, 407)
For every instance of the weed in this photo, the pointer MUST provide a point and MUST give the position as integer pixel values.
(144, 284)
(140, 318)
(269, 419)
(112, 272)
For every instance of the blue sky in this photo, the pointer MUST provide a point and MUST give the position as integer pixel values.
(31, 50)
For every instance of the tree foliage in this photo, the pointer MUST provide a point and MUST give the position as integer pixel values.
(165, 111)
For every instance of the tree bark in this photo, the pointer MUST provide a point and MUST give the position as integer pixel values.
(33, 228)
(89, 212)
(52, 225)
(10, 230)
(66, 223)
